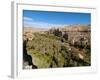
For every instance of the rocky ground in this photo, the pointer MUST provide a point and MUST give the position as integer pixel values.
(57, 47)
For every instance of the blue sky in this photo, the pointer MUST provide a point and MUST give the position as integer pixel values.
(45, 19)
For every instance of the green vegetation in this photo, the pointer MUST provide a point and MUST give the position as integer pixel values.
(52, 49)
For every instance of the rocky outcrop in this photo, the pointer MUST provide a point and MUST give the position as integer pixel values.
(27, 59)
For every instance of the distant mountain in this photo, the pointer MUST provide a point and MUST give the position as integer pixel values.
(32, 30)
(28, 32)
(77, 27)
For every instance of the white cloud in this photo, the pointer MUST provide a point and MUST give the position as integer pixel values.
(28, 19)
(38, 24)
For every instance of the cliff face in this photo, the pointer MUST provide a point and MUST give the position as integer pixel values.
(59, 47)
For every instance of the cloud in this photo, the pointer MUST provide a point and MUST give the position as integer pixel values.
(28, 19)
(38, 24)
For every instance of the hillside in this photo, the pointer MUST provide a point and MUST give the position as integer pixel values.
(68, 46)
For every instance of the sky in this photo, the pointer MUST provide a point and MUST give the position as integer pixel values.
(48, 19)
